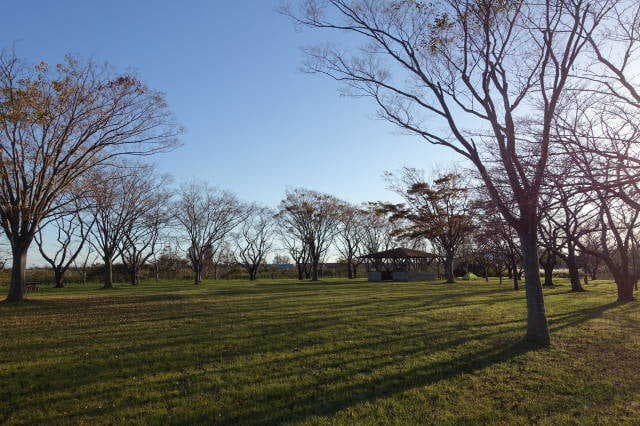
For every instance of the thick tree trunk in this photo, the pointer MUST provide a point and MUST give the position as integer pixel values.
(625, 285)
(18, 272)
(572, 265)
(58, 277)
(108, 272)
(448, 269)
(537, 327)
(500, 277)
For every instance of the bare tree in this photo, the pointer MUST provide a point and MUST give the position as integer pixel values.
(351, 235)
(57, 123)
(313, 218)
(255, 239)
(140, 237)
(297, 248)
(118, 197)
(71, 232)
(378, 230)
(88, 259)
(500, 239)
(464, 75)
(223, 261)
(599, 133)
(206, 216)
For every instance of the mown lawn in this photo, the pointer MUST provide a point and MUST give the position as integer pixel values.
(335, 352)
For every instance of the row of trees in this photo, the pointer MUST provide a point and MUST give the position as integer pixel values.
(446, 213)
(130, 215)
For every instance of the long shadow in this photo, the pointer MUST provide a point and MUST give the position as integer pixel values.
(299, 409)
(569, 319)
(300, 405)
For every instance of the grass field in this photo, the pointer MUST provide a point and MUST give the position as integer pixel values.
(334, 352)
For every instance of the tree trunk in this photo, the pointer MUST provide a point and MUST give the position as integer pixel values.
(314, 269)
(18, 272)
(108, 272)
(197, 274)
(548, 266)
(537, 327)
(574, 273)
(500, 277)
(58, 277)
(135, 275)
(448, 269)
(300, 267)
(350, 268)
(625, 285)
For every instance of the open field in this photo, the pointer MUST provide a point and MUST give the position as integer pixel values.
(326, 353)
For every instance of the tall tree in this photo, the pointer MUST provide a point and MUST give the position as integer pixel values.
(56, 124)
(255, 239)
(297, 248)
(351, 235)
(465, 75)
(141, 235)
(206, 216)
(119, 196)
(313, 218)
(599, 132)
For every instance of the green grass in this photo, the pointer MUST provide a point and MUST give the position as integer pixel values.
(335, 352)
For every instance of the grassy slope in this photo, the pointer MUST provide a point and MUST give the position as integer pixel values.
(327, 353)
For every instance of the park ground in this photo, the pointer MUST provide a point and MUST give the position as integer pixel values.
(334, 352)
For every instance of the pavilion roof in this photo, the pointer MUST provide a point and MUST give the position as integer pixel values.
(400, 253)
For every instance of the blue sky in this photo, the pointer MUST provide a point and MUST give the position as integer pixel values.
(230, 70)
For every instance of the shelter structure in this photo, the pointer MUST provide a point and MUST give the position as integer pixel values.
(401, 264)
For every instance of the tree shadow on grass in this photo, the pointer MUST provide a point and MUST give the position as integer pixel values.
(572, 318)
(325, 404)
(354, 382)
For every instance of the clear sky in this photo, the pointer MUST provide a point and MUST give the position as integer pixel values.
(230, 70)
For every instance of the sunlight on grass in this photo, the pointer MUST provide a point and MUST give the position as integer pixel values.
(329, 353)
